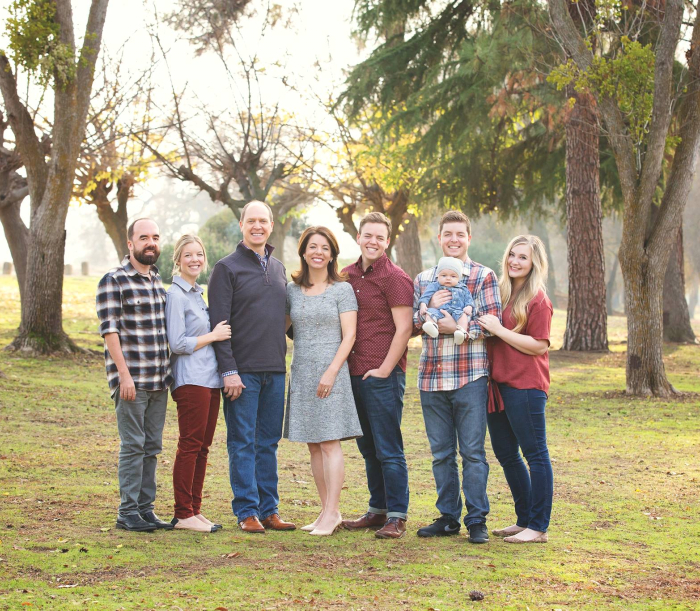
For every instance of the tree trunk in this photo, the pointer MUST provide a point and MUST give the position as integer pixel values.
(17, 236)
(693, 296)
(41, 327)
(646, 374)
(586, 321)
(408, 248)
(539, 228)
(278, 235)
(676, 318)
(115, 223)
(610, 291)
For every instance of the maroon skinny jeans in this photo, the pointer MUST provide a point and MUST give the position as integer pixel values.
(197, 411)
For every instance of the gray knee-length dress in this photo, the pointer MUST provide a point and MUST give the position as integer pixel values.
(317, 336)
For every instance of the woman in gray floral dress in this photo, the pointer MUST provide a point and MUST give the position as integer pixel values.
(320, 409)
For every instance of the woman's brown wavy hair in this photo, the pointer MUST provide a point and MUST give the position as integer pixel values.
(301, 276)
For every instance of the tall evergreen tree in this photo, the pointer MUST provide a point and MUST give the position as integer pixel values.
(471, 79)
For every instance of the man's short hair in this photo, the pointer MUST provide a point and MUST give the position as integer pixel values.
(456, 216)
(255, 201)
(130, 229)
(376, 217)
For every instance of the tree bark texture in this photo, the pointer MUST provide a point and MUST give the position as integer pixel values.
(610, 292)
(586, 321)
(17, 236)
(646, 374)
(114, 222)
(408, 249)
(278, 235)
(13, 191)
(676, 317)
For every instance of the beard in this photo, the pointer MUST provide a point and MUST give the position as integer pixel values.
(147, 256)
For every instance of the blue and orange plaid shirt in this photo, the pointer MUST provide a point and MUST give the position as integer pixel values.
(444, 366)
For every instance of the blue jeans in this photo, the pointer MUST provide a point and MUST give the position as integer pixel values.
(253, 430)
(455, 417)
(522, 426)
(379, 403)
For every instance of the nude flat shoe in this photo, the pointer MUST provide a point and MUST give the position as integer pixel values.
(507, 532)
(538, 539)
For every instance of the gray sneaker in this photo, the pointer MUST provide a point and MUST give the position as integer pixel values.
(478, 533)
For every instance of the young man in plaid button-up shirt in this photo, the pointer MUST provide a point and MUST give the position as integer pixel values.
(131, 308)
(453, 388)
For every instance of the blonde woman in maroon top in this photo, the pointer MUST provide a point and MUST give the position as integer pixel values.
(518, 354)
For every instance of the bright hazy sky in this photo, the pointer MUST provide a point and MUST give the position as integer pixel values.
(318, 35)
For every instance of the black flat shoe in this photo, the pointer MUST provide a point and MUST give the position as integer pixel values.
(152, 518)
(135, 523)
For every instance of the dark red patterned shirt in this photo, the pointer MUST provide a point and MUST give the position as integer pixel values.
(382, 286)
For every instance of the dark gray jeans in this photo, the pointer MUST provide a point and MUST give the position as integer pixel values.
(140, 423)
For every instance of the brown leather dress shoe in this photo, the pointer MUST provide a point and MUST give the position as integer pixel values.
(274, 522)
(251, 525)
(369, 520)
(395, 528)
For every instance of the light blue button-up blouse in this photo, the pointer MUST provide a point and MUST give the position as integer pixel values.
(187, 317)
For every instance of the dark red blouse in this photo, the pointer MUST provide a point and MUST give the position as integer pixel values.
(512, 367)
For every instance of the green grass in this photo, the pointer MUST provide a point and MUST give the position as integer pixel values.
(624, 534)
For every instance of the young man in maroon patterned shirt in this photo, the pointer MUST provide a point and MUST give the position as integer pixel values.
(377, 363)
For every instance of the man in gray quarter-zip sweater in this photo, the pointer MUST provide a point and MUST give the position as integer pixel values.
(247, 288)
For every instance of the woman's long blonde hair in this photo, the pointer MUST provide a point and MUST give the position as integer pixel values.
(535, 282)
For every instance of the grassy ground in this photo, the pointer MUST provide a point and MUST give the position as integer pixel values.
(624, 535)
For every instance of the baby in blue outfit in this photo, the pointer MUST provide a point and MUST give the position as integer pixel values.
(449, 277)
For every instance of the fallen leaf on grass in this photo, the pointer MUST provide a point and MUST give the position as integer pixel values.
(221, 609)
(231, 555)
(73, 585)
(104, 530)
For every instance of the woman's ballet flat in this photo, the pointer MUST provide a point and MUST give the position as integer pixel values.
(509, 531)
(327, 533)
(200, 527)
(541, 538)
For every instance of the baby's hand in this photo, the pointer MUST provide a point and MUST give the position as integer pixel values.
(423, 308)
(468, 310)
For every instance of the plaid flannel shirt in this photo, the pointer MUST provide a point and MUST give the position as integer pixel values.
(444, 366)
(133, 306)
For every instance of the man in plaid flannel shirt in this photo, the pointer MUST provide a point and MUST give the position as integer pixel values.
(453, 389)
(131, 308)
